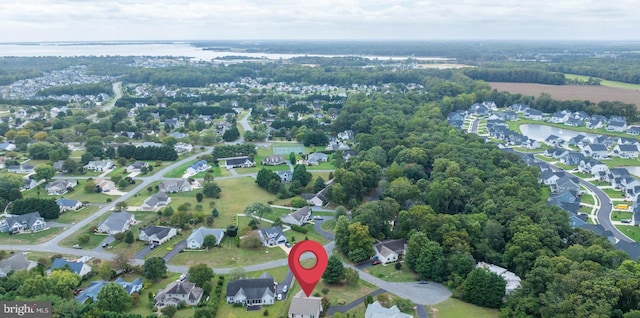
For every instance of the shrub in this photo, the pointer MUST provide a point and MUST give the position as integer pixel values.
(298, 228)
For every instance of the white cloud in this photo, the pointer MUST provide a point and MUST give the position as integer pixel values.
(50, 20)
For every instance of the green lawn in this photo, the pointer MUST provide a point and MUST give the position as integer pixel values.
(72, 217)
(179, 171)
(588, 199)
(631, 231)
(544, 193)
(619, 216)
(391, 274)
(604, 82)
(600, 183)
(29, 238)
(329, 225)
(613, 193)
(143, 308)
(620, 162)
(582, 175)
(585, 209)
(454, 308)
(227, 255)
(547, 159)
(565, 167)
(293, 236)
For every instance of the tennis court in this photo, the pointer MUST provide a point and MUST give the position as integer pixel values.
(285, 150)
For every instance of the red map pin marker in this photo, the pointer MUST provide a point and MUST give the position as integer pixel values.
(308, 277)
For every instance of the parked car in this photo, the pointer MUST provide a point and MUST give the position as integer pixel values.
(77, 291)
(77, 246)
(287, 244)
(376, 262)
(422, 282)
(105, 245)
(317, 217)
(152, 246)
(183, 277)
(284, 289)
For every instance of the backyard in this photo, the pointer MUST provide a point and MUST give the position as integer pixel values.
(454, 308)
(391, 274)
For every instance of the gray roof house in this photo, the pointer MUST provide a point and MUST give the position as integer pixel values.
(79, 268)
(273, 160)
(198, 166)
(305, 307)
(177, 292)
(272, 236)
(376, 310)
(30, 222)
(116, 222)
(237, 162)
(316, 157)
(156, 201)
(68, 204)
(157, 234)
(95, 286)
(196, 239)
(137, 166)
(390, 251)
(299, 217)
(102, 165)
(252, 292)
(16, 262)
(59, 187)
(173, 186)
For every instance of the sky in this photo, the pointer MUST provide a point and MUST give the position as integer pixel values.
(125, 20)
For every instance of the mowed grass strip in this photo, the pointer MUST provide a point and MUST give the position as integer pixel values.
(455, 308)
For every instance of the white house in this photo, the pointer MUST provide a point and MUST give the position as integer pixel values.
(626, 151)
(117, 222)
(196, 239)
(272, 236)
(30, 222)
(376, 310)
(513, 281)
(299, 217)
(157, 234)
(68, 204)
(59, 187)
(237, 162)
(177, 292)
(305, 307)
(197, 167)
(100, 166)
(251, 292)
(173, 186)
(156, 201)
(390, 251)
(77, 267)
(597, 151)
(137, 166)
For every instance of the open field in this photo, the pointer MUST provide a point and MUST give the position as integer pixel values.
(29, 238)
(454, 308)
(572, 92)
(604, 82)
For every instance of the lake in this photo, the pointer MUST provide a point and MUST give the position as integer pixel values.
(541, 132)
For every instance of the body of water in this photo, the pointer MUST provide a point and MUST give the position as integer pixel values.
(541, 132)
(156, 49)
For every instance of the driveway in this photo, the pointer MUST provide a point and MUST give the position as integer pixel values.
(108, 240)
(317, 226)
(143, 252)
(176, 249)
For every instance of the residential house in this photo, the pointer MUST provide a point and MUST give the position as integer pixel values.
(533, 114)
(100, 166)
(157, 234)
(156, 201)
(274, 160)
(616, 126)
(58, 166)
(376, 310)
(30, 222)
(285, 175)
(318, 199)
(60, 187)
(174, 186)
(252, 292)
(390, 251)
(346, 135)
(592, 166)
(137, 166)
(116, 222)
(76, 267)
(626, 151)
(513, 281)
(550, 177)
(336, 145)
(597, 151)
(147, 144)
(531, 144)
(68, 204)
(559, 117)
(554, 141)
(572, 158)
(315, 158)
(607, 141)
(347, 154)
(305, 307)
(24, 168)
(91, 292)
(196, 239)
(182, 147)
(299, 217)
(595, 123)
(197, 167)
(272, 236)
(634, 130)
(627, 141)
(579, 140)
(105, 185)
(7, 146)
(179, 292)
(574, 122)
(510, 115)
(237, 162)
(14, 263)
(566, 184)
(29, 183)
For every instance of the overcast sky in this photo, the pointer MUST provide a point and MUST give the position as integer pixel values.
(97, 20)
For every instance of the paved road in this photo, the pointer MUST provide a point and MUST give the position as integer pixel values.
(474, 126)
(245, 122)
(421, 310)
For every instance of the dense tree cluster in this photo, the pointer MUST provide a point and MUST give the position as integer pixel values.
(518, 75)
(164, 153)
(78, 89)
(48, 208)
(226, 151)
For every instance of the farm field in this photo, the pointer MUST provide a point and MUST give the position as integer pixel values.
(571, 92)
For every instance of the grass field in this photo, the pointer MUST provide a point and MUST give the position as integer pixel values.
(612, 193)
(72, 217)
(228, 255)
(604, 82)
(618, 216)
(631, 231)
(29, 238)
(588, 199)
(454, 308)
(573, 92)
(582, 175)
(391, 274)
